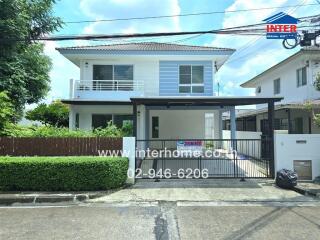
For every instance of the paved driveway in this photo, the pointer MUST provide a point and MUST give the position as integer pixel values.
(203, 190)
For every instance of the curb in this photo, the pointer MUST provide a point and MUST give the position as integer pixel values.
(9, 199)
(306, 192)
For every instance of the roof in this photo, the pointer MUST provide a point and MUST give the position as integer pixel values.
(146, 46)
(302, 51)
(203, 101)
(293, 105)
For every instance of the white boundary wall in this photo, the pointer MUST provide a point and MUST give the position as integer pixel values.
(128, 150)
(249, 148)
(290, 147)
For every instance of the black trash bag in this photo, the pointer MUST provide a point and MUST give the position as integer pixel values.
(286, 178)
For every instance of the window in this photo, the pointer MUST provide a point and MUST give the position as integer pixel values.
(120, 77)
(258, 89)
(276, 86)
(301, 76)
(191, 79)
(100, 120)
(77, 121)
(155, 127)
(281, 124)
(120, 120)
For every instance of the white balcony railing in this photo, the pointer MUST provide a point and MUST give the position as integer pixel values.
(92, 89)
(107, 85)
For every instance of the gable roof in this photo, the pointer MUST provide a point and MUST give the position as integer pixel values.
(281, 18)
(302, 51)
(146, 46)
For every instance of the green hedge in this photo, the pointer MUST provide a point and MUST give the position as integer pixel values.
(62, 173)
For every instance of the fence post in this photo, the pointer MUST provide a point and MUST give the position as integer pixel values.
(129, 151)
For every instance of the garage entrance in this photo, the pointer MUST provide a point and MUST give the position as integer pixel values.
(171, 141)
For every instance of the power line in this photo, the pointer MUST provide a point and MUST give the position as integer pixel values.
(189, 14)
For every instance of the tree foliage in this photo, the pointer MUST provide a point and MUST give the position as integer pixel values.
(6, 110)
(54, 114)
(24, 69)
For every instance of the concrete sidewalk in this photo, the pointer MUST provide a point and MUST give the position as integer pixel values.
(204, 191)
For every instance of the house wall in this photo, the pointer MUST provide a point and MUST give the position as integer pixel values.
(169, 78)
(287, 150)
(288, 86)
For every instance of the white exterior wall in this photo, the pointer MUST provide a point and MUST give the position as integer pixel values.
(178, 124)
(287, 150)
(86, 111)
(288, 82)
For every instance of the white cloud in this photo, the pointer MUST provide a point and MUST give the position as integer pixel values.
(110, 9)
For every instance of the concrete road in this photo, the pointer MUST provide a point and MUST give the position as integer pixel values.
(163, 220)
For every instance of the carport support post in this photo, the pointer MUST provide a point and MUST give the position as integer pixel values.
(134, 120)
(233, 127)
(271, 135)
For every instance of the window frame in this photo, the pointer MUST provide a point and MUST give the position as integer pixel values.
(112, 83)
(301, 83)
(274, 86)
(191, 84)
(155, 127)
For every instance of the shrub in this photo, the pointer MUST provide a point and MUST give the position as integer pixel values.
(62, 173)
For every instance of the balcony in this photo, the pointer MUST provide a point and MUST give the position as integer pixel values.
(118, 90)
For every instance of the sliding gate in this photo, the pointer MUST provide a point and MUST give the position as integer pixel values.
(203, 158)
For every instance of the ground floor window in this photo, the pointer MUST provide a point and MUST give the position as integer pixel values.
(297, 125)
(100, 120)
(155, 127)
(120, 120)
(77, 121)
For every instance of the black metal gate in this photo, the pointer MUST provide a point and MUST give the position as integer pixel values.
(203, 158)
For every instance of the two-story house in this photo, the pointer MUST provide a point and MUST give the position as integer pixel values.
(110, 75)
(167, 92)
(293, 79)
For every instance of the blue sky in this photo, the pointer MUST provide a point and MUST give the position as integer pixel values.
(254, 54)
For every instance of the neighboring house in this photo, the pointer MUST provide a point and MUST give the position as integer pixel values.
(292, 79)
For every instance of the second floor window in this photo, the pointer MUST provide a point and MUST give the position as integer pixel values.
(276, 86)
(112, 77)
(301, 76)
(191, 79)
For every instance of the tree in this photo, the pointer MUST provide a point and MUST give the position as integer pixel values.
(6, 110)
(309, 106)
(54, 114)
(24, 69)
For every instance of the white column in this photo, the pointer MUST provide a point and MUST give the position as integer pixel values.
(233, 126)
(71, 118)
(217, 122)
(71, 88)
(128, 150)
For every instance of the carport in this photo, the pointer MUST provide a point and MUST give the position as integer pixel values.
(228, 166)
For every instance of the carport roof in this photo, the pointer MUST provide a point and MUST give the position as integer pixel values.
(204, 101)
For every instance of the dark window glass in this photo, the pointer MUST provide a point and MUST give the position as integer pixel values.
(120, 120)
(100, 120)
(184, 89)
(77, 120)
(197, 89)
(155, 127)
(301, 76)
(276, 86)
(123, 72)
(197, 74)
(102, 72)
